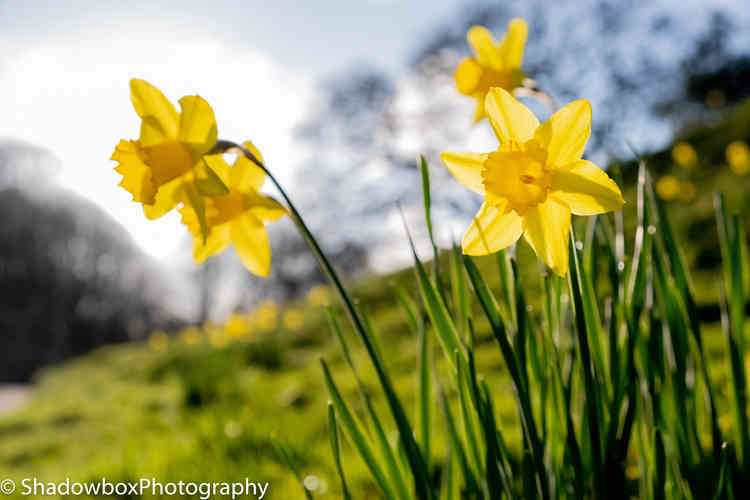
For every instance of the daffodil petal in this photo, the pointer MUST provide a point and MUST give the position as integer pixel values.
(217, 240)
(160, 119)
(265, 208)
(546, 228)
(511, 120)
(586, 189)
(220, 167)
(467, 168)
(167, 197)
(512, 46)
(485, 47)
(189, 218)
(467, 75)
(492, 230)
(251, 242)
(245, 175)
(197, 124)
(479, 113)
(565, 133)
(137, 177)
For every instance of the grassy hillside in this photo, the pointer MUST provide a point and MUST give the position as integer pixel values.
(207, 404)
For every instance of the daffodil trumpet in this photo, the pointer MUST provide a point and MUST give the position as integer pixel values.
(166, 163)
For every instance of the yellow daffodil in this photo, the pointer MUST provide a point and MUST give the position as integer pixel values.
(158, 340)
(190, 335)
(738, 157)
(236, 326)
(684, 154)
(668, 187)
(534, 181)
(237, 217)
(171, 145)
(265, 315)
(293, 319)
(493, 65)
(318, 295)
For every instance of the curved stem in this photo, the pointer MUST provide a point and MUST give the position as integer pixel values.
(416, 461)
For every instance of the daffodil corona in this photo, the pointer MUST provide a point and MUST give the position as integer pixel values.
(171, 145)
(493, 65)
(238, 216)
(534, 181)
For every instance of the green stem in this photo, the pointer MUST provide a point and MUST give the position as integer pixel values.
(416, 461)
(592, 410)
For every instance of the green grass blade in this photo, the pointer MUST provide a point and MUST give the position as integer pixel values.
(667, 244)
(386, 452)
(356, 434)
(732, 240)
(497, 481)
(424, 392)
(594, 333)
(722, 476)
(425, 173)
(507, 282)
(467, 416)
(333, 435)
(592, 394)
(283, 453)
(457, 448)
(531, 432)
(522, 325)
(409, 306)
(450, 477)
(660, 467)
(436, 310)
(460, 293)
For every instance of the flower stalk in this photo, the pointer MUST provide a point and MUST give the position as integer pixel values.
(416, 461)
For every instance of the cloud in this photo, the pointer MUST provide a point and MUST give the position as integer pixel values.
(71, 95)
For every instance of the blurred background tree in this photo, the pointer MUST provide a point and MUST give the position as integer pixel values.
(70, 277)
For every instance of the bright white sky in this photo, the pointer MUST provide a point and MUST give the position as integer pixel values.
(64, 74)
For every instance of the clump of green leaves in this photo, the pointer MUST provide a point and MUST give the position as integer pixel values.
(610, 377)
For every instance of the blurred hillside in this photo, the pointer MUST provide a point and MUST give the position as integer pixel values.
(71, 278)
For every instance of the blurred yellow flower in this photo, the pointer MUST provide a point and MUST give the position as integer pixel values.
(190, 335)
(318, 295)
(265, 315)
(687, 191)
(217, 336)
(684, 155)
(236, 326)
(293, 319)
(158, 340)
(738, 157)
(171, 145)
(668, 187)
(237, 217)
(534, 181)
(493, 65)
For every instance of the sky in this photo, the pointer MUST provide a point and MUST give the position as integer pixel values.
(65, 67)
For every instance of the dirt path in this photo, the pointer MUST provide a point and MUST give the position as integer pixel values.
(13, 396)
